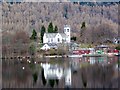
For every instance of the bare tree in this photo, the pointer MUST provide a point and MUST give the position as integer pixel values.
(26, 16)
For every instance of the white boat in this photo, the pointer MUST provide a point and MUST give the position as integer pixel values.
(76, 55)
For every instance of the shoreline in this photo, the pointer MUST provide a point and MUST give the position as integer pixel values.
(60, 56)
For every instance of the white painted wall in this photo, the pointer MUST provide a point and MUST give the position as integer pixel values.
(45, 40)
(51, 40)
(60, 38)
(67, 32)
(45, 47)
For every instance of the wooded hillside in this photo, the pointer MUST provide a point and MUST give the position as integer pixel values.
(32, 15)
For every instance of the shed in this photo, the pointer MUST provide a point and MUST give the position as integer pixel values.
(48, 46)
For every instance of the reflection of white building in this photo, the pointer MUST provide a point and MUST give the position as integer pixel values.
(74, 64)
(56, 72)
(68, 81)
(52, 71)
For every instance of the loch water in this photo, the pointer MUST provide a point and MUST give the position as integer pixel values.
(86, 72)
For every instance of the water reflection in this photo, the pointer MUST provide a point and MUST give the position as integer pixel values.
(54, 73)
(78, 72)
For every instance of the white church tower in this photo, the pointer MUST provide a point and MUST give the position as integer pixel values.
(67, 32)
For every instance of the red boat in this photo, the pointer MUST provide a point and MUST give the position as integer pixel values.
(81, 52)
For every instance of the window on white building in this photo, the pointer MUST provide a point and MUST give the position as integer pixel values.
(64, 30)
(51, 40)
(67, 30)
(48, 40)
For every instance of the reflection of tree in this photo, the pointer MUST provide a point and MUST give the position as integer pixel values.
(43, 78)
(35, 77)
(57, 81)
(52, 82)
(108, 74)
(84, 77)
(101, 75)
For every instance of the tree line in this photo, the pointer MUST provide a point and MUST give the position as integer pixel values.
(50, 29)
(34, 15)
(29, 16)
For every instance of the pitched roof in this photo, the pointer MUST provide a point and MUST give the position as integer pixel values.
(63, 35)
(52, 45)
(102, 46)
(52, 35)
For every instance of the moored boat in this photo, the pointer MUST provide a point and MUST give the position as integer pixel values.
(75, 55)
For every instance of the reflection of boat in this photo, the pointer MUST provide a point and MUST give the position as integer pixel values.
(94, 55)
(75, 55)
(92, 60)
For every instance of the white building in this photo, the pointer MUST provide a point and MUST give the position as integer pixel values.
(49, 46)
(116, 40)
(58, 37)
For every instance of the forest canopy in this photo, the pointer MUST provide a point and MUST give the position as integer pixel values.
(33, 15)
